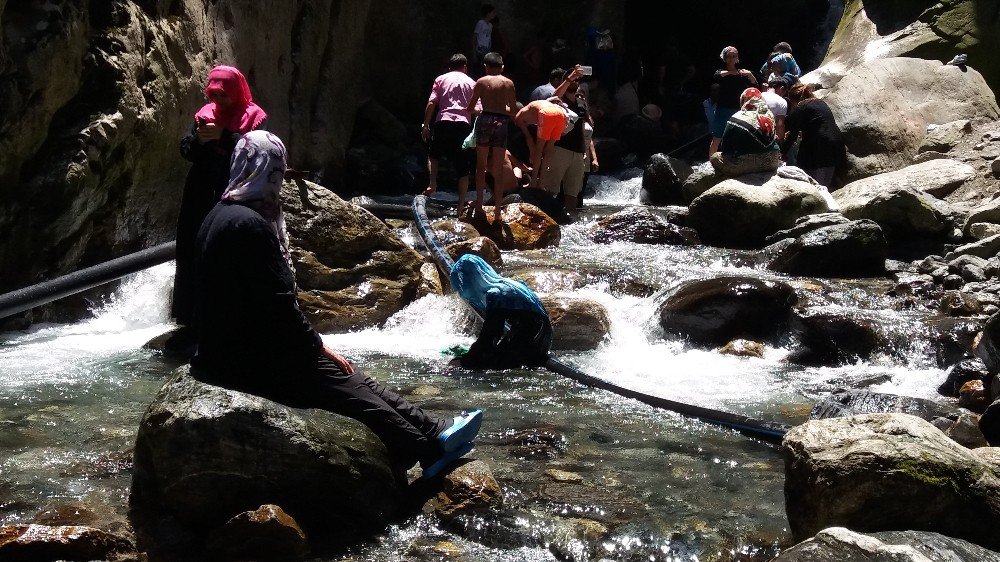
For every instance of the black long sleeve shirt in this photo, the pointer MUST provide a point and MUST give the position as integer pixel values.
(249, 322)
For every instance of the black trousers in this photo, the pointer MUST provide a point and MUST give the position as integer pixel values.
(409, 433)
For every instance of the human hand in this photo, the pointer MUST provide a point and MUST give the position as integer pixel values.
(209, 132)
(593, 165)
(338, 360)
(576, 73)
(425, 132)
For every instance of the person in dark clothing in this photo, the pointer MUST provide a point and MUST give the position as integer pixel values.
(253, 337)
(822, 148)
(565, 168)
(209, 145)
(732, 82)
(516, 329)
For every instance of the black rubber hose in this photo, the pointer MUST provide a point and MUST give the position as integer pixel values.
(766, 431)
(45, 292)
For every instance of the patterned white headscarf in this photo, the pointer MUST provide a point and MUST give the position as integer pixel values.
(255, 176)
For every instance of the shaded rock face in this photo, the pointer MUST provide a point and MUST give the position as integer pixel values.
(834, 338)
(577, 323)
(522, 226)
(205, 454)
(352, 270)
(845, 403)
(856, 249)
(961, 373)
(712, 312)
(741, 215)
(882, 472)
(838, 544)
(662, 179)
(987, 344)
(806, 224)
(641, 226)
(884, 127)
(989, 423)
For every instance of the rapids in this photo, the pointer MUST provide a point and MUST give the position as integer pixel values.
(587, 475)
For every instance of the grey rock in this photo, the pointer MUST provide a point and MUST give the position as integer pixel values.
(988, 212)
(481, 246)
(577, 323)
(834, 338)
(952, 281)
(806, 224)
(838, 544)
(896, 266)
(855, 249)
(944, 137)
(965, 431)
(981, 230)
(836, 470)
(701, 179)
(936, 177)
(956, 264)
(846, 403)
(970, 272)
(640, 225)
(901, 211)
(929, 264)
(985, 248)
(662, 179)
(961, 373)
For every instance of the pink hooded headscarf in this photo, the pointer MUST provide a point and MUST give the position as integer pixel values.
(244, 115)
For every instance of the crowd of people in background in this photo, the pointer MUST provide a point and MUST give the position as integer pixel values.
(756, 121)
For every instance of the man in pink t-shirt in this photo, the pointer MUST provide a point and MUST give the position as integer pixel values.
(450, 97)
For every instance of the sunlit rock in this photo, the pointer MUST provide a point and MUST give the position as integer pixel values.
(853, 402)
(902, 212)
(267, 533)
(522, 227)
(205, 454)
(878, 472)
(468, 488)
(743, 348)
(736, 214)
(352, 270)
(449, 231)
(480, 246)
(838, 544)
(712, 312)
(577, 323)
(44, 542)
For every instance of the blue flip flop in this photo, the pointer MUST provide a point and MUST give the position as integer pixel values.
(463, 430)
(447, 458)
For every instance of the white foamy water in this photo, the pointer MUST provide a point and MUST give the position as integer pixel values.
(615, 190)
(67, 353)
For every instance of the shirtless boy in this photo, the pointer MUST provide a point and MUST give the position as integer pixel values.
(550, 119)
(496, 92)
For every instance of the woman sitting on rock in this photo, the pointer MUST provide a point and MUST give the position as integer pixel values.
(822, 148)
(748, 143)
(516, 329)
(253, 337)
(209, 145)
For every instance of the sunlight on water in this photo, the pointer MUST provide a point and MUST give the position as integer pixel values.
(619, 190)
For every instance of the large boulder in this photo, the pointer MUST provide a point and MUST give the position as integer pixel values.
(856, 249)
(662, 179)
(942, 138)
(742, 215)
(837, 544)
(845, 403)
(701, 179)
(204, 454)
(884, 125)
(886, 472)
(712, 312)
(985, 248)
(522, 226)
(577, 323)
(639, 225)
(935, 177)
(806, 224)
(901, 211)
(829, 337)
(352, 270)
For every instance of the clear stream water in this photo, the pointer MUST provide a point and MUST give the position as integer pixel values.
(642, 485)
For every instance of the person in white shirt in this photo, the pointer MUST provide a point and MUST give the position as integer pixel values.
(482, 37)
(775, 100)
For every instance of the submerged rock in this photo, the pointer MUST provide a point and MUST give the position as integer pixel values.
(577, 323)
(855, 249)
(880, 472)
(714, 311)
(834, 337)
(352, 271)
(743, 348)
(205, 454)
(639, 225)
(740, 215)
(838, 544)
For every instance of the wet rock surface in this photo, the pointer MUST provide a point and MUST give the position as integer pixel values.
(846, 403)
(639, 225)
(662, 180)
(838, 544)
(481, 246)
(43, 542)
(837, 469)
(466, 489)
(267, 533)
(831, 338)
(522, 227)
(714, 311)
(577, 323)
(855, 249)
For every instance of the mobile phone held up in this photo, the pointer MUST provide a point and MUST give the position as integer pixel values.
(587, 70)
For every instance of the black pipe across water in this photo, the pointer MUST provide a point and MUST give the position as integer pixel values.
(45, 292)
(767, 431)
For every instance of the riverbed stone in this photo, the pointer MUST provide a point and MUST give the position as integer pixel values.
(430, 280)
(352, 271)
(522, 226)
(852, 402)
(902, 212)
(742, 215)
(987, 344)
(985, 248)
(480, 246)
(662, 179)
(834, 338)
(880, 472)
(964, 430)
(982, 230)
(468, 488)
(972, 395)
(958, 303)
(961, 373)
(839, 544)
(577, 323)
(711, 312)
(806, 224)
(944, 137)
(205, 453)
(743, 348)
(267, 533)
(701, 179)
(63, 542)
(640, 226)
(449, 231)
(953, 339)
(855, 249)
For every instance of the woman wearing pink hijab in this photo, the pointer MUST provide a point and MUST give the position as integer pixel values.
(229, 114)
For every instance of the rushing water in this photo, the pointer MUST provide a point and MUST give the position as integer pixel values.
(635, 483)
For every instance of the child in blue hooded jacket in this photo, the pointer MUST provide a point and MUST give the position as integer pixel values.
(516, 329)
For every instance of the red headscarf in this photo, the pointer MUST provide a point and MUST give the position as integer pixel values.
(243, 115)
